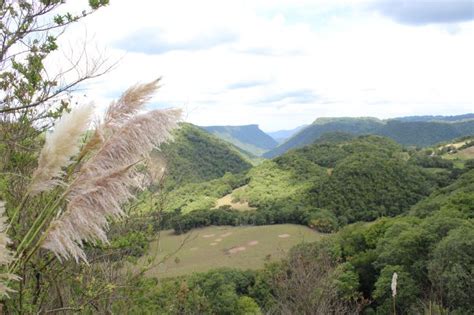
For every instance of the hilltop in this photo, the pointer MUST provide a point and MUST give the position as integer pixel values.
(437, 118)
(196, 156)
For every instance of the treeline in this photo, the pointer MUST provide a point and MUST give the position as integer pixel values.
(319, 219)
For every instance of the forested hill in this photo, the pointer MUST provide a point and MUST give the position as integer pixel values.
(425, 133)
(410, 133)
(249, 138)
(324, 125)
(355, 180)
(196, 156)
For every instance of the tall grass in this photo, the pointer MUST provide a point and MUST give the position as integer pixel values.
(82, 185)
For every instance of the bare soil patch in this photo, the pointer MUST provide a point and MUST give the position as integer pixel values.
(235, 250)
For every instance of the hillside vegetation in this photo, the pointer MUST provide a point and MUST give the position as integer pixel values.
(407, 132)
(249, 138)
(196, 156)
(361, 179)
(325, 186)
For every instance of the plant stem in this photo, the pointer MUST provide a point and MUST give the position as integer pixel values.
(33, 232)
(16, 211)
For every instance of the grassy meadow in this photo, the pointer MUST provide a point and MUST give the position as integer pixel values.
(246, 247)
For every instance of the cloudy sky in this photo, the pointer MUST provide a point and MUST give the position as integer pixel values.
(283, 63)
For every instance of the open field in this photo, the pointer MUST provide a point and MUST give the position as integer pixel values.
(246, 247)
(456, 145)
(460, 157)
(464, 154)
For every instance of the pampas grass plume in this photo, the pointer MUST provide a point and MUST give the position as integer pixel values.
(120, 111)
(130, 103)
(394, 284)
(60, 146)
(6, 256)
(109, 178)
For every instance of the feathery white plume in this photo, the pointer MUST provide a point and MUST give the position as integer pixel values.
(120, 111)
(131, 101)
(60, 145)
(394, 284)
(6, 256)
(105, 181)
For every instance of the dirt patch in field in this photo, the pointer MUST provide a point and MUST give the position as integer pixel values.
(226, 234)
(284, 235)
(209, 235)
(235, 250)
(252, 243)
(213, 244)
(455, 145)
(467, 153)
(194, 248)
(218, 240)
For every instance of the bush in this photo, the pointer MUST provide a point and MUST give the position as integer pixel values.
(323, 221)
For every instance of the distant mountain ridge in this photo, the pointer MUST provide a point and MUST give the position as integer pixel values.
(406, 131)
(248, 137)
(281, 135)
(437, 118)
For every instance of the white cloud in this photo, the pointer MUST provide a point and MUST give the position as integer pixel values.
(348, 60)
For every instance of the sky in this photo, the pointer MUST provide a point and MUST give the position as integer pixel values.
(284, 63)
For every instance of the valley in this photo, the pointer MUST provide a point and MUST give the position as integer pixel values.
(237, 157)
(378, 206)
